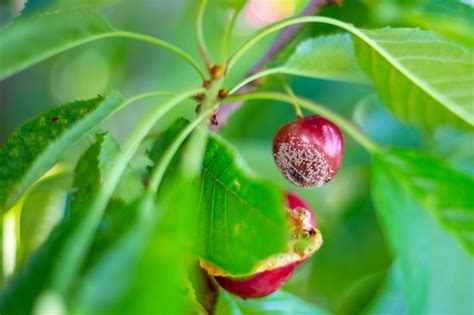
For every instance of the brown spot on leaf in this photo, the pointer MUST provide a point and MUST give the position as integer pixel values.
(54, 119)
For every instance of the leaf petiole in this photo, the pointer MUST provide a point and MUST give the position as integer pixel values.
(163, 44)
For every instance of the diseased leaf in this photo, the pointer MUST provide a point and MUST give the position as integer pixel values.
(427, 211)
(31, 39)
(279, 303)
(36, 146)
(425, 79)
(22, 291)
(328, 57)
(238, 219)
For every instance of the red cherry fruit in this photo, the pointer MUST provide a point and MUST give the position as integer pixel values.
(309, 151)
(274, 271)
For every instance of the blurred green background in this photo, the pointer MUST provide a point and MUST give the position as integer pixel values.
(346, 273)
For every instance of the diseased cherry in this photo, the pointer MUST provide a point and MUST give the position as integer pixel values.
(309, 151)
(274, 271)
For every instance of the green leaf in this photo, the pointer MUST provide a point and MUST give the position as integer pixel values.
(328, 57)
(144, 271)
(391, 298)
(279, 303)
(36, 146)
(450, 18)
(427, 211)
(238, 219)
(31, 39)
(33, 6)
(151, 280)
(444, 191)
(235, 4)
(23, 290)
(98, 162)
(116, 283)
(454, 146)
(425, 79)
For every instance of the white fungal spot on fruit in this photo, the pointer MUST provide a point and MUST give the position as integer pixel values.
(302, 163)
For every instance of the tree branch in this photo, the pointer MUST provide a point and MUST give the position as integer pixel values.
(285, 37)
(288, 34)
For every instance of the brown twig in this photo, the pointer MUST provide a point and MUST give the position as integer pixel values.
(288, 34)
(285, 37)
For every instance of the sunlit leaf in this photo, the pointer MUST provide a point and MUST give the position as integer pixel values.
(425, 79)
(36, 146)
(329, 57)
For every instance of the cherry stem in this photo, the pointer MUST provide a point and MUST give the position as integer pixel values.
(343, 123)
(289, 91)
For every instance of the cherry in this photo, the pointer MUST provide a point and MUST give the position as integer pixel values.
(309, 151)
(274, 271)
